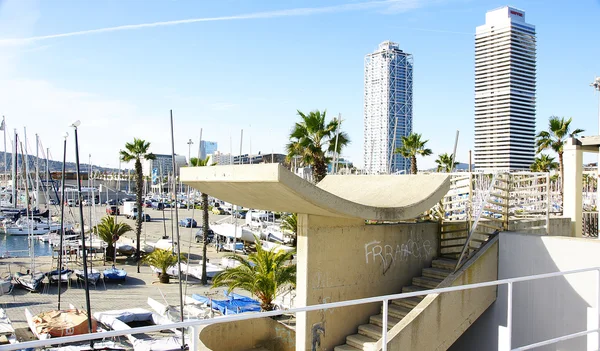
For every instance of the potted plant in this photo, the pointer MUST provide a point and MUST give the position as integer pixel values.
(162, 259)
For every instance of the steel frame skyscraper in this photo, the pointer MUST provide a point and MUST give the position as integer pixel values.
(388, 104)
(505, 87)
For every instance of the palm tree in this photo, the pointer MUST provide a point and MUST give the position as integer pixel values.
(290, 223)
(264, 274)
(312, 138)
(411, 147)
(543, 163)
(196, 162)
(110, 232)
(554, 138)
(162, 259)
(445, 164)
(135, 152)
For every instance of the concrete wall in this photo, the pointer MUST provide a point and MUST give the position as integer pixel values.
(559, 226)
(440, 319)
(264, 333)
(542, 309)
(351, 260)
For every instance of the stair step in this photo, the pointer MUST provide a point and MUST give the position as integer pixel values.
(378, 320)
(345, 347)
(444, 263)
(371, 330)
(437, 273)
(397, 311)
(409, 302)
(361, 342)
(426, 282)
(413, 288)
(456, 238)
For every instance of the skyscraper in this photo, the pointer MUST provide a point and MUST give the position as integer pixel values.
(388, 108)
(505, 68)
(207, 148)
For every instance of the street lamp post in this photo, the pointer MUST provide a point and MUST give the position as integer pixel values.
(596, 85)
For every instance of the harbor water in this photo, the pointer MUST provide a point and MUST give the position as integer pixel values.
(18, 246)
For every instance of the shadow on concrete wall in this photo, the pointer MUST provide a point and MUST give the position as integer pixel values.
(542, 309)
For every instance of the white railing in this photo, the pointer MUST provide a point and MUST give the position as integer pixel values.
(194, 325)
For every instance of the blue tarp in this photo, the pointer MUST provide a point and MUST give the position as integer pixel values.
(235, 304)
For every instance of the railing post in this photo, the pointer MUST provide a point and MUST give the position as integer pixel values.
(384, 320)
(509, 316)
(598, 309)
(548, 203)
(194, 338)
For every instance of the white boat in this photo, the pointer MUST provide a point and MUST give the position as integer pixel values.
(269, 245)
(37, 226)
(163, 244)
(273, 233)
(130, 318)
(64, 275)
(195, 270)
(192, 309)
(231, 231)
(58, 323)
(6, 328)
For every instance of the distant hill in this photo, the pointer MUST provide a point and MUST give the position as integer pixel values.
(55, 166)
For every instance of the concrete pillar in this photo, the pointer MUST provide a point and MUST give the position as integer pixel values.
(573, 182)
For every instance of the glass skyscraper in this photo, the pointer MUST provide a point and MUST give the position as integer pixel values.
(388, 107)
(207, 148)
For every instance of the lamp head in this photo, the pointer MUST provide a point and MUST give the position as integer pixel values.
(76, 124)
(66, 135)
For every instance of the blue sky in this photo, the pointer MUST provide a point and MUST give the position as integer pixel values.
(256, 62)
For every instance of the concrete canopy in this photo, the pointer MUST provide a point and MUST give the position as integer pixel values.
(272, 187)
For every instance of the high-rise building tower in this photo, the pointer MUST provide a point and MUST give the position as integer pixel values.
(388, 108)
(505, 67)
(207, 148)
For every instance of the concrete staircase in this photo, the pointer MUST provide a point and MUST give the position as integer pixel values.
(368, 334)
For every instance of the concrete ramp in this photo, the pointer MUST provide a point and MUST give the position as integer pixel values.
(273, 187)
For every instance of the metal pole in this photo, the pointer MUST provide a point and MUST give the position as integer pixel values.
(393, 148)
(336, 156)
(241, 143)
(5, 165)
(384, 321)
(596, 85)
(37, 172)
(62, 216)
(598, 307)
(509, 311)
(200, 146)
(454, 152)
(548, 204)
(83, 248)
(14, 171)
(177, 229)
(470, 162)
(190, 142)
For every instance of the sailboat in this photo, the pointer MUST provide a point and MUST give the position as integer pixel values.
(7, 332)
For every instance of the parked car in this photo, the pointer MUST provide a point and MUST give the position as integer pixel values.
(111, 202)
(158, 205)
(86, 202)
(218, 211)
(145, 217)
(53, 202)
(188, 222)
(167, 205)
(147, 203)
(199, 235)
(71, 202)
(112, 210)
(240, 214)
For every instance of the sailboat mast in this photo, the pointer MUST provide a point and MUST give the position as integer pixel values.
(82, 228)
(177, 229)
(14, 171)
(62, 215)
(37, 172)
(5, 165)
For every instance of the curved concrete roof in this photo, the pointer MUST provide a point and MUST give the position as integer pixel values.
(272, 187)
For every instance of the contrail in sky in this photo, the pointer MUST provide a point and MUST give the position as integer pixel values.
(395, 5)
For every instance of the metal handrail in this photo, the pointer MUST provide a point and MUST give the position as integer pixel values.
(195, 324)
(477, 218)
